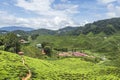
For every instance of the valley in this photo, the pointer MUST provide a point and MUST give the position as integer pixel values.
(90, 52)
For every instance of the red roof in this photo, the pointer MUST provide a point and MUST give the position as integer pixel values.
(20, 53)
(78, 54)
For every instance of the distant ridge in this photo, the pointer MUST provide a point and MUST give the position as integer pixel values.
(107, 26)
(66, 30)
(13, 28)
(63, 31)
(3, 31)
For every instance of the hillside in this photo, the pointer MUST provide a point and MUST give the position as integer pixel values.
(63, 31)
(98, 45)
(13, 28)
(66, 31)
(65, 69)
(42, 32)
(20, 32)
(108, 26)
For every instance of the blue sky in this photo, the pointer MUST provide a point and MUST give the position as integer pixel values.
(55, 14)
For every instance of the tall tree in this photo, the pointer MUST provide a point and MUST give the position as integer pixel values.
(11, 43)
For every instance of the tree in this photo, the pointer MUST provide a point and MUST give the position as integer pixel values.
(47, 50)
(34, 36)
(11, 43)
(1, 40)
(43, 44)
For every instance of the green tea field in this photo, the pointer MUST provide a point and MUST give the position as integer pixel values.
(11, 68)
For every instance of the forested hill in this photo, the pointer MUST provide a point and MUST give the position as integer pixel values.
(42, 32)
(108, 26)
(63, 31)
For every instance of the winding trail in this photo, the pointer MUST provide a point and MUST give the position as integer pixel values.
(29, 74)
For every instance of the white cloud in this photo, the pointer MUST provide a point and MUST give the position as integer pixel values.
(56, 15)
(7, 19)
(49, 23)
(43, 7)
(111, 14)
(106, 1)
(62, 6)
(118, 9)
(113, 10)
(112, 7)
(52, 17)
(67, 8)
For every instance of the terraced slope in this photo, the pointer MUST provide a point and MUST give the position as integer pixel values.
(12, 68)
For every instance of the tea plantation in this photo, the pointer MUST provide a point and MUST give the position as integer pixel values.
(11, 68)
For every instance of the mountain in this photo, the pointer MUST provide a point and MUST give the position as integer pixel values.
(66, 31)
(63, 31)
(67, 28)
(29, 31)
(107, 26)
(13, 28)
(3, 31)
(20, 32)
(42, 32)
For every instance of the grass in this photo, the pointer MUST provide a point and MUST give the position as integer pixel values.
(11, 68)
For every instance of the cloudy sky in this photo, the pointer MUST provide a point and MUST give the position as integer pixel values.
(55, 14)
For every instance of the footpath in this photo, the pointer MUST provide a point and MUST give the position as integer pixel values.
(29, 74)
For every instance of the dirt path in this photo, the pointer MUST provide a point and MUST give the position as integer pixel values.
(29, 74)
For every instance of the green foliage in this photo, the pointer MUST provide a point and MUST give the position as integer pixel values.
(2, 47)
(11, 43)
(31, 51)
(34, 36)
(1, 40)
(64, 69)
(44, 44)
(11, 67)
(108, 26)
(61, 49)
(91, 59)
(25, 37)
(42, 32)
(100, 44)
(48, 50)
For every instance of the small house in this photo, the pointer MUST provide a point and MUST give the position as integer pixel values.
(20, 53)
(24, 41)
(38, 45)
